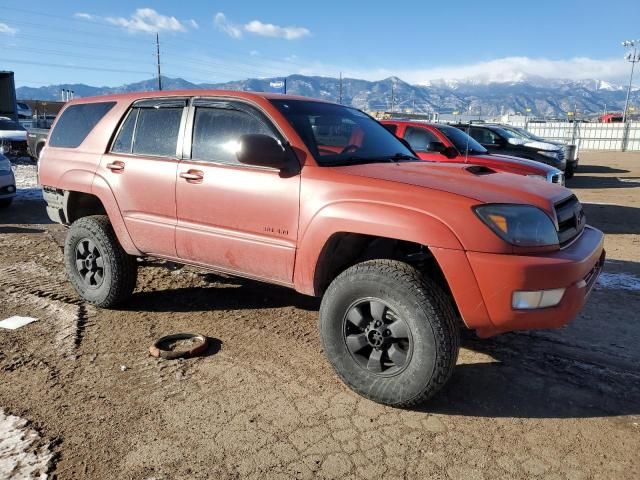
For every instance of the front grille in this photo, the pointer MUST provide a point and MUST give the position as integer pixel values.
(571, 219)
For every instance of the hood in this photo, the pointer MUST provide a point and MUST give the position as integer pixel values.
(516, 162)
(14, 135)
(478, 183)
(542, 145)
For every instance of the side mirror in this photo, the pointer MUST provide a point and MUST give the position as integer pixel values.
(436, 147)
(261, 151)
(449, 152)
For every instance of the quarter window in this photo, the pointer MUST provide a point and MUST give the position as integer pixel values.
(216, 133)
(124, 140)
(76, 122)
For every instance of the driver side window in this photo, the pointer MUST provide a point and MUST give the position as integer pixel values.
(419, 138)
(486, 137)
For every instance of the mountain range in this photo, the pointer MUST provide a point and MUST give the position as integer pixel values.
(541, 97)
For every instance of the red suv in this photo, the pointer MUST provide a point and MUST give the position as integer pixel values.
(443, 143)
(321, 198)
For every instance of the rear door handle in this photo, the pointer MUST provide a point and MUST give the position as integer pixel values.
(116, 166)
(192, 175)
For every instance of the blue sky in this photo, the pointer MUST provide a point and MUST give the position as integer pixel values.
(111, 43)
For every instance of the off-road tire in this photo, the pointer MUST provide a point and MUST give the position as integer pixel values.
(426, 310)
(6, 202)
(120, 270)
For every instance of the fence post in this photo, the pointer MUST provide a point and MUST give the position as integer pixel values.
(625, 136)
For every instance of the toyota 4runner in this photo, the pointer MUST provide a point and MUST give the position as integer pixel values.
(321, 198)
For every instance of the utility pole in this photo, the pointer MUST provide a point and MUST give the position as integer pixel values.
(632, 57)
(158, 60)
(393, 96)
(340, 97)
(285, 85)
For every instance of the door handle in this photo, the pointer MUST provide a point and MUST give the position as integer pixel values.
(192, 175)
(116, 166)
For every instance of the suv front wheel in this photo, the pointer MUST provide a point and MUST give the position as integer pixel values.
(390, 333)
(99, 269)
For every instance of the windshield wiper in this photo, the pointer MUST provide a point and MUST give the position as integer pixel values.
(355, 160)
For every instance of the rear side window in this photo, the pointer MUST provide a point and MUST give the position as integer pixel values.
(124, 140)
(216, 133)
(76, 123)
(156, 131)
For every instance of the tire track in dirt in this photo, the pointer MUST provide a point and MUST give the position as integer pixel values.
(29, 284)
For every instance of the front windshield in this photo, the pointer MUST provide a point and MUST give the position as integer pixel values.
(508, 133)
(528, 135)
(463, 142)
(339, 135)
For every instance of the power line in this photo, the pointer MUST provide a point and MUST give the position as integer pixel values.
(71, 67)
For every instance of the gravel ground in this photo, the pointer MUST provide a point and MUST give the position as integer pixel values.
(81, 398)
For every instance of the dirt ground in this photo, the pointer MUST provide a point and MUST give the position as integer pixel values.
(264, 403)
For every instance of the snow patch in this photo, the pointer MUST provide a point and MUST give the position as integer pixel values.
(619, 281)
(27, 181)
(22, 456)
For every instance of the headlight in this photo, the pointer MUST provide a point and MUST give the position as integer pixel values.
(520, 225)
(548, 153)
(539, 177)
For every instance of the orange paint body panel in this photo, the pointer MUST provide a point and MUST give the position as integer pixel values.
(263, 224)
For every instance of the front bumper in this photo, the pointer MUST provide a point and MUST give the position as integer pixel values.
(482, 284)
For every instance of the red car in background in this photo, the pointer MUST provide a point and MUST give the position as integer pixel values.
(444, 143)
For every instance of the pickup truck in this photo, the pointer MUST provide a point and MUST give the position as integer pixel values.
(443, 143)
(320, 198)
(36, 140)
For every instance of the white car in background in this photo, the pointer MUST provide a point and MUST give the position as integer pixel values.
(7, 182)
(13, 138)
(24, 111)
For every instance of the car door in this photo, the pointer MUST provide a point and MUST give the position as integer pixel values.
(233, 217)
(488, 139)
(140, 169)
(420, 140)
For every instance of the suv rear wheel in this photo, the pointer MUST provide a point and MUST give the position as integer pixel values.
(99, 269)
(390, 333)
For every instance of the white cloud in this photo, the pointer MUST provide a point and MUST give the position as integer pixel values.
(193, 24)
(7, 30)
(254, 53)
(147, 20)
(231, 29)
(257, 27)
(271, 30)
(508, 69)
(84, 16)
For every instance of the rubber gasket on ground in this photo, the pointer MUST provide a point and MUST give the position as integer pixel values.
(156, 349)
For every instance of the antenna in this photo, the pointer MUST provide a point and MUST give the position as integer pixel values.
(158, 60)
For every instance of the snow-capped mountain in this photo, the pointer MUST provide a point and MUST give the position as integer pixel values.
(521, 93)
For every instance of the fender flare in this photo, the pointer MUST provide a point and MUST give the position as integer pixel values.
(360, 217)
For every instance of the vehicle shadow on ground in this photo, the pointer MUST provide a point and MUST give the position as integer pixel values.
(12, 229)
(613, 218)
(234, 294)
(586, 181)
(599, 169)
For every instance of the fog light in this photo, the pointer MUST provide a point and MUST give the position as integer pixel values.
(11, 189)
(537, 299)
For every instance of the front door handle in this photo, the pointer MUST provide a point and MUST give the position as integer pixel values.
(192, 175)
(116, 166)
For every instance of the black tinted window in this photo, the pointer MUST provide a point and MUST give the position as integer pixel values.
(419, 138)
(216, 132)
(123, 141)
(392, 128)
(157, 131)
(76, 122)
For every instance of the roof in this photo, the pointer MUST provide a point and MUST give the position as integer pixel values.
(132, 96)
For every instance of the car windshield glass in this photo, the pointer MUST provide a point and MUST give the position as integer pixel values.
(339, 135)
(462, 141)
(508, 133)
(528, 135)
(7, 124)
